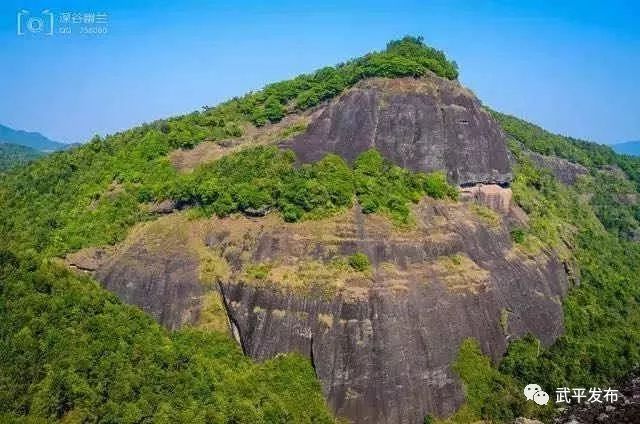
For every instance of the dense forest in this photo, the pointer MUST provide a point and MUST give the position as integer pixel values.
(71, 351)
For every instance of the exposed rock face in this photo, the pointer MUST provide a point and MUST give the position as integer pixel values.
(165, 206)
(89, 260)
(155, 270)
(167, 287)
(385, 354)
(422, 124)
(491, 195)
(522, 420)
(566, 172)
(382, 342)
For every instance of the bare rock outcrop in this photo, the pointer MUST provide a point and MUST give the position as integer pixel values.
(383, 348)
(155, 269)
(382, 341)
(522, 420)
(163, 207)
(566, 172)
(423, 124)
(491, 195)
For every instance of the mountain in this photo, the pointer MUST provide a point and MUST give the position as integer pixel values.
(423, 124)
(627, 148)
(33, 140)
(12, 155)
(366, 243)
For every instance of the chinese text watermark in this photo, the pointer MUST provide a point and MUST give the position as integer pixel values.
(49, 23)
(584, 395)
(568, 395)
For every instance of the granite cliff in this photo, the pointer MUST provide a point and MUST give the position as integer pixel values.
(424, 125)
(382, 340)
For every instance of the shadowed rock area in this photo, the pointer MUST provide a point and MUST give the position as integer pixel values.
(383, 348)
(382, 341)
(566, 172)
(154, 269)
(423, 124)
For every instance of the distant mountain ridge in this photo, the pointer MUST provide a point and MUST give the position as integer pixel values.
(628, 148)
(35, 140)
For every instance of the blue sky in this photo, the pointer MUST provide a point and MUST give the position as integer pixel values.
(569, 66)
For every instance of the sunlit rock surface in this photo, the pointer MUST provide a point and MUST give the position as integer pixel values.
(382, 341)
(426, 124)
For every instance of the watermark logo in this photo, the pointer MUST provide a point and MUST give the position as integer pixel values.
(48, 23)
(535, 393)
(583, 395)
(41, 23)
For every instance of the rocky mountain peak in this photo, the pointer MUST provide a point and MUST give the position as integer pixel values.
(423, 124)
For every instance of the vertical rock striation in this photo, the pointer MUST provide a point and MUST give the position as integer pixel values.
(423, 124)
(384, 352)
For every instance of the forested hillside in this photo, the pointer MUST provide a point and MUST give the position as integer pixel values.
(64, 198)
(12, 155)
(602, 314)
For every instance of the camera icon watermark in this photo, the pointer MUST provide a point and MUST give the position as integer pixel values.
(41, 24)
(47, 23)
